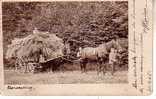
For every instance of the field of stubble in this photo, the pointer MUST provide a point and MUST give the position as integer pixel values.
(68, 77)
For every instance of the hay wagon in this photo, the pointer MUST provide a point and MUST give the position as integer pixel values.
(36, 49)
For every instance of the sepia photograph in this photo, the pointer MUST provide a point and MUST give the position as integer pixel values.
(76, 47)
(65, 42)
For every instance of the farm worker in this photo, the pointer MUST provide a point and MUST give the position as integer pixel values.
(113, 59)
(35, 30)
(79, 52)
(67, 47)
(42, 59)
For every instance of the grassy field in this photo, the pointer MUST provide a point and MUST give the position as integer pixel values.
(68, 77)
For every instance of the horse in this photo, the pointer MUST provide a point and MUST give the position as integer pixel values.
(99, 54)
(85, 55)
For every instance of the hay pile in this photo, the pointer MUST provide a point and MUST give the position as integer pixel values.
(43, 43)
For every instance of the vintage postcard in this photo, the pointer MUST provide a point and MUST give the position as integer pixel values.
(76, 47)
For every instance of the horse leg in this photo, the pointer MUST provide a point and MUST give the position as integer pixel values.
(104, 69)
(85, 70)
(97, 68)
(106, 64)
(99, 65)
(82, 65)
(85, 64)
(112, 66)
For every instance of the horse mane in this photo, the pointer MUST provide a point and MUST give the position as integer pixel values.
(113, 44)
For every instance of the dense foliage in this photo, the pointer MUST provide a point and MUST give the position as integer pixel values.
(78, 23)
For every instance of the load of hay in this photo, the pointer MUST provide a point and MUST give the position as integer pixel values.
(38, 44)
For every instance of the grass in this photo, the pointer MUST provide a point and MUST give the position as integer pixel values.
(68, 77)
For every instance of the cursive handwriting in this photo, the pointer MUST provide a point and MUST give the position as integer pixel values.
(145, 21)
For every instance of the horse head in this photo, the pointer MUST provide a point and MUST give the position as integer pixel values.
(114, 44)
